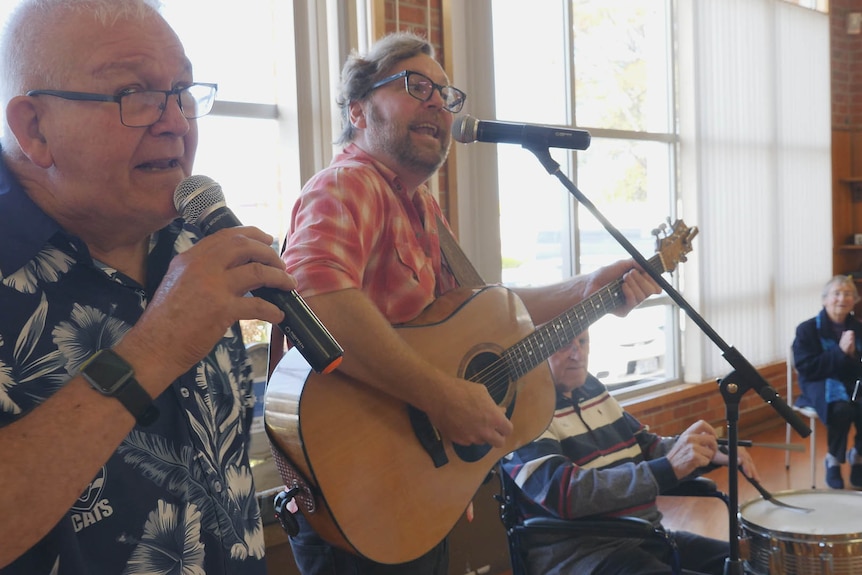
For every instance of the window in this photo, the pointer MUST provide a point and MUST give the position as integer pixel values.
(684, 124)
(241, 141)
(604, 66)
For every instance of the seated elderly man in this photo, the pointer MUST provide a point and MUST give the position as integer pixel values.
(595, 459)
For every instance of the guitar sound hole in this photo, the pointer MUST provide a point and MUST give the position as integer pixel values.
(495, 378)
(487, 369)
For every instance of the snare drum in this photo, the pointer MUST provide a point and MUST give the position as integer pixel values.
(826, 541)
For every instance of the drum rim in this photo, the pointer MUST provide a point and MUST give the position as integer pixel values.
(844, 537)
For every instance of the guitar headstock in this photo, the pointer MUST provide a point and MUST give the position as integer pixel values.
(675, 244)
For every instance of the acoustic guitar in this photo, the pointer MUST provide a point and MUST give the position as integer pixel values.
(373, 475)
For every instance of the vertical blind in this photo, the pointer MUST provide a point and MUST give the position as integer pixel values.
(756, 147)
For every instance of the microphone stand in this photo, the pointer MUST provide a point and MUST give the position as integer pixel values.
(732, 387)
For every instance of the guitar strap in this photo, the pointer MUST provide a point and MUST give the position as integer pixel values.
(460, 266)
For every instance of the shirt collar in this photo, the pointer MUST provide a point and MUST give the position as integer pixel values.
(354, 151)
(24, 227)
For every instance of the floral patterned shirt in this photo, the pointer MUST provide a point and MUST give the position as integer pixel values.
(177, 496)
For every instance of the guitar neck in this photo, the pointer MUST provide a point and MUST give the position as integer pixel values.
(557, 333)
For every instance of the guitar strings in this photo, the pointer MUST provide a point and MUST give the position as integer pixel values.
(502, 371)
(521, 358)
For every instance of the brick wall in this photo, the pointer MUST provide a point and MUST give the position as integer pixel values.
(671, 410)
(413, 16)
(846, 80)
(846, 55)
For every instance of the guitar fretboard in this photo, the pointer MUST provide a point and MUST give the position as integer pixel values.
(557, 333)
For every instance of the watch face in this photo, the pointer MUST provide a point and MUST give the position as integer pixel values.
(107, 371)
(111, 375)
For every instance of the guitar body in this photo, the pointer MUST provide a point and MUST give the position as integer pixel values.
(377, 489)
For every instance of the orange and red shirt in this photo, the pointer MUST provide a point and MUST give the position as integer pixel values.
(355, 225)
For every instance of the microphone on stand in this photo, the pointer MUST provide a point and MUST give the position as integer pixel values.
(200, 201)
(467, 129)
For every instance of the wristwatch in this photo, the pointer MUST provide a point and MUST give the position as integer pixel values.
(111, 375)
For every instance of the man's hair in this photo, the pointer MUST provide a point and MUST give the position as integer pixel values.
(25, 51)
(361, 71)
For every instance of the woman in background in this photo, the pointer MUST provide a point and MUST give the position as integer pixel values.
(827, 351)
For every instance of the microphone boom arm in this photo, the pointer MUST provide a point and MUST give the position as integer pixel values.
(732, 387)
(749, 374)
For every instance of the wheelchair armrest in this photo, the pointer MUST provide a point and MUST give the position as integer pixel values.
(695, 487)
(698, 487)
(591, 526)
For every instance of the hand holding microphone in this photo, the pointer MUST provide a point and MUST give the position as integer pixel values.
(200, 201)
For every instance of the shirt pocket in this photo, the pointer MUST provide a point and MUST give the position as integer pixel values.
(414, 265)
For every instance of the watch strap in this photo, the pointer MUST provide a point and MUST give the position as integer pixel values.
(137, 401)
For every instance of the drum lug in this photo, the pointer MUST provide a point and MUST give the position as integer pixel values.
(745, 548)
(827, 560)
(776, 556)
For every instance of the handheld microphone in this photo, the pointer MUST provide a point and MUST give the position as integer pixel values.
(200, 201)
(467, 129)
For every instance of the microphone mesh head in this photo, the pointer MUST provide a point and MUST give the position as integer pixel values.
(464, 129)
(196, 196)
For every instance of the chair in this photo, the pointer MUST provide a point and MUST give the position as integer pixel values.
(613, 527)
(808, 412)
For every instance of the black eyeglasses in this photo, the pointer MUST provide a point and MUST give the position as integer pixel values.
(422, 88)
(143, 108)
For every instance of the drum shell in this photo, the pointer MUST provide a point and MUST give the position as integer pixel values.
(787, 542)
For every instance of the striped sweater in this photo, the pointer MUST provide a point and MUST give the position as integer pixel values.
(594, 459)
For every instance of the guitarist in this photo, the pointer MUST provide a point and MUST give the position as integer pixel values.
(365, 251)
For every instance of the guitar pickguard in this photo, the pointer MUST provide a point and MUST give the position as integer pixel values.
(486, 368)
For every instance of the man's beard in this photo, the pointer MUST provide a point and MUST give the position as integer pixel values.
(395, 140)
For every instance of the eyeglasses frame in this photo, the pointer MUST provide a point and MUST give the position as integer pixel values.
(92, 97)
(434, 86)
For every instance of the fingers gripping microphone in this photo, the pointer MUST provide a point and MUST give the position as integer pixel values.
(467, 129)
(200, 201)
